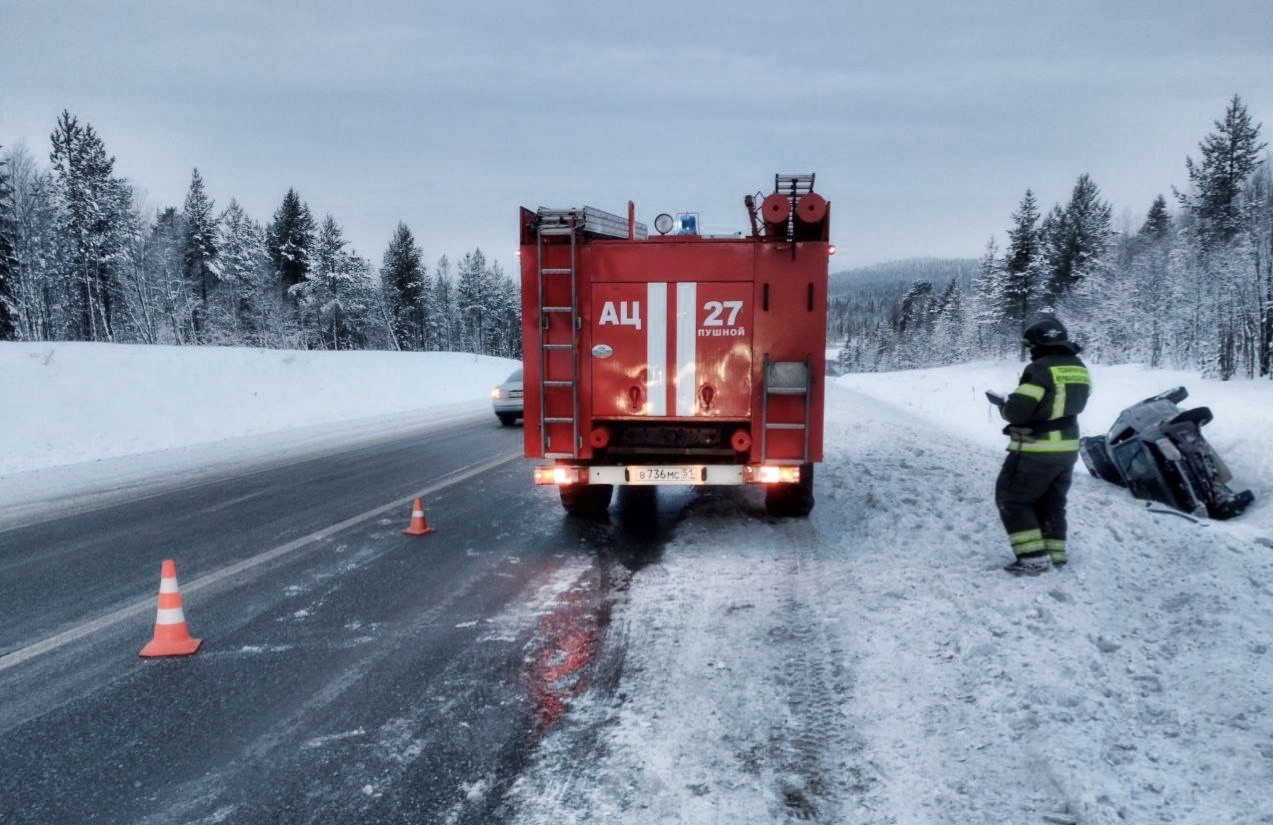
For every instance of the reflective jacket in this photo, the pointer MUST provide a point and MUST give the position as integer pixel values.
(1042, 413)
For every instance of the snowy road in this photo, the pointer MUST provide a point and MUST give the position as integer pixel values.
(687, 660)
(362, 676)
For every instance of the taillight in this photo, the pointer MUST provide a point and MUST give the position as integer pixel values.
(561, 474)
(771, 474)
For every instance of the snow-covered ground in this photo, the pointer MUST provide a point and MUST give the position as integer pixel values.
(80, 420)
(874, 665)
(870, 664)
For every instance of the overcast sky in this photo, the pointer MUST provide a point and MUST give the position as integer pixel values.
(924, 121)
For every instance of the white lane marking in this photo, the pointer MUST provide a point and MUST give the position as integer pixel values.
(686, 347)
(656, 350)
(21, 655)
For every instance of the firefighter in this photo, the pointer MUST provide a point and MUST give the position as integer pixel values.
(1042, 415)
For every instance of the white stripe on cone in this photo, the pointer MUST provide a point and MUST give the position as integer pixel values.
(170, 615)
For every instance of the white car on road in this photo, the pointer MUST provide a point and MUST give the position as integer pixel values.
(507, 399)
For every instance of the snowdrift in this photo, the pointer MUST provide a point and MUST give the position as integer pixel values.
(68, 403)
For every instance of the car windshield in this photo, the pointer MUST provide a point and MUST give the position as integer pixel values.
(516, 376)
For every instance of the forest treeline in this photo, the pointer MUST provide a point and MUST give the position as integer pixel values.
(1189, 288)
(82, 260)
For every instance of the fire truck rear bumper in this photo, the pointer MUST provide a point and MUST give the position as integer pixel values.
(649, 475)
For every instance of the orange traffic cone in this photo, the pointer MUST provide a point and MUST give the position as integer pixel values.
(418, 526)
(171, 637)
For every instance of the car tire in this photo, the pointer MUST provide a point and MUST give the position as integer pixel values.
(1095, 454)
(507, 419)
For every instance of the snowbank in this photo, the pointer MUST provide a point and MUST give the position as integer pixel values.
(69, 403)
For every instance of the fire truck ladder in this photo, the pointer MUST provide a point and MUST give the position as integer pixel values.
(786, 378)
(575, 224)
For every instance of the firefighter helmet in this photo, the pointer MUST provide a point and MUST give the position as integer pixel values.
(1045, 332)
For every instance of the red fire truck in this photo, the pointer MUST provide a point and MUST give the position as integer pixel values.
(676, 358)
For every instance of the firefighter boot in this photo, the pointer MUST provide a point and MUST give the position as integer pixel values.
(1033, 564)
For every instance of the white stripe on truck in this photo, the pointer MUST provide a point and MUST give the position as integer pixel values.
(686, 347)
(656, 349)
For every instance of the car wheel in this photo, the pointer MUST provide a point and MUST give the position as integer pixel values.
(507, 419)
(1095, 455)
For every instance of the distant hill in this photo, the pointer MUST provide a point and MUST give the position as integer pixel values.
(902, 273)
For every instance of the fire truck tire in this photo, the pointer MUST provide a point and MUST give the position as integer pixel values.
(791, 500)
(586, 499)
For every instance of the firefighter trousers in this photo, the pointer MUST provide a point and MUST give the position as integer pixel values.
(1030, 494)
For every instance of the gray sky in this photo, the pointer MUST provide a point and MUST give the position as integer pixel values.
(925, 121)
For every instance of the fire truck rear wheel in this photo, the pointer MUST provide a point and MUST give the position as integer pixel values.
(586, 499)
(791, 500)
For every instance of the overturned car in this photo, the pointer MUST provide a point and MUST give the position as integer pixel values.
(1157, 451)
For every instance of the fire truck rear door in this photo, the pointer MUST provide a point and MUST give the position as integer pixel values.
(671, 349)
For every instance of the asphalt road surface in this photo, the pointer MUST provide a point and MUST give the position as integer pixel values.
(348, 673)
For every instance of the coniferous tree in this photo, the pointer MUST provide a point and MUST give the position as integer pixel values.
(948, 320)
(243, 266)
(1157, 222)
(1148, 270)
(366, 328)
(290, 242)
(475, 297)
(1229, 156)
(316, 296)
(1021, 264)
(96, 220)
(1074, 240)
(405, 283)
(989, 317)
(915, 313)
(912, 324)
(507, 315)
(336, 301)
(199, 249)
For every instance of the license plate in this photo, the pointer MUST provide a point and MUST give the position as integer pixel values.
(671, 474)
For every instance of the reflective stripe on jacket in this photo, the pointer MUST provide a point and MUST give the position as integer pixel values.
(1042, 413)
